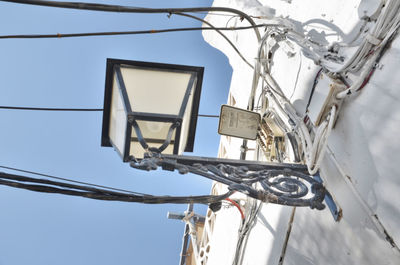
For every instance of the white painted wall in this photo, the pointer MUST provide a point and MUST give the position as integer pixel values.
(360, 168)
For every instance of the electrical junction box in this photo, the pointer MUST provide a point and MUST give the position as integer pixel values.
(238, 122)
(271, 138)
(270, 123)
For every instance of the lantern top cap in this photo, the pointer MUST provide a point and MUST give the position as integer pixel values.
(153, 66)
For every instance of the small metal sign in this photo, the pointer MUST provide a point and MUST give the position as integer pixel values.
(238, 122)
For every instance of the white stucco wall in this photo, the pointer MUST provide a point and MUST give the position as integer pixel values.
(360, 167)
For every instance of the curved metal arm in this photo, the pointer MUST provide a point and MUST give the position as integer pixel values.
(284, 184)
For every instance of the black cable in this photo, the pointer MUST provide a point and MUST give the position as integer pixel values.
(116, 8)
(297, 79)
(70, 180)
(113, 33)
(222, 34)
(313, 88)
(218, 14)
(208, 116)
(49, 109)
(20, 178)
(126, 9)
(78, 109)
(12, 180)
(131, 198)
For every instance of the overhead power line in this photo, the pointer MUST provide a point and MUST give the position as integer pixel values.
(127, 9)
(113, 33)
(70, 180)
(78, 109)
(50, 109)
(152, 31)
(49, 186)
(223, 35)
(208, 116)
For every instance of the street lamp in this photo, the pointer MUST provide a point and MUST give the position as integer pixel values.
(149, 117)
(150, 107)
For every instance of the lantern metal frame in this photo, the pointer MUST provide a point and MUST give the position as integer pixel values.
(114, 67)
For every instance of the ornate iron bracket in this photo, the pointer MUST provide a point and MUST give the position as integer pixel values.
(285, 184)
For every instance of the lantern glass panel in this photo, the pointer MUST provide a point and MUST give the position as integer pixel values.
(154, 133)
(137, 150)
(118, 119)
(155, 91)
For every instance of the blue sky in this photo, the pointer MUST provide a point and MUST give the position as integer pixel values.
(38, 228)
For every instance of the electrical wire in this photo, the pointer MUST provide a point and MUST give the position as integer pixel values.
(208, 116)
(49, 186)
(114, 8)
(244, 230)
(313, 88)
(72, 181)
(113, 33)
(79, 109)
(223, 35)
(369, 70)
(49, 109)
(297, 79)
(387, 22)
(217, 14)
(237, 206)
(127, 9)
(322, 144)
(369, 51)
(226, 15)
(313, 149)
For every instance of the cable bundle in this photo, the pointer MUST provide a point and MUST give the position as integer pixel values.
(49, 186)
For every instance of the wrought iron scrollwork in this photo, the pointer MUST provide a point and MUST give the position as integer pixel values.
(284, 184)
